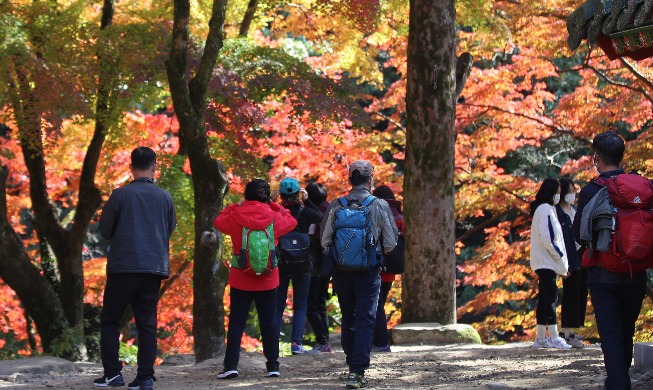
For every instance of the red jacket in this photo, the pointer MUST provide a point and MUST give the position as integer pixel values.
(253, 215)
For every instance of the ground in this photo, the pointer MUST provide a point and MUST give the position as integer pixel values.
(461, 367)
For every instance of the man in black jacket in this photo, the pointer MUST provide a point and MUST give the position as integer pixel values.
(616, 297)
(138, 219)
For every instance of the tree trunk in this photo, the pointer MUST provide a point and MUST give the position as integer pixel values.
(209, 177)
(247, 19)
(429, 281)
(16, 269)
(66, 244)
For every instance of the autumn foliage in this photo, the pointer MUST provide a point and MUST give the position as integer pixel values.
(315, 86)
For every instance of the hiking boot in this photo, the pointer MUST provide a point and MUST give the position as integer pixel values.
(559, 342)
(542, 343)
(320, 348)
(228, 374)
(109, 381)
(297, 349)
(355, 381)
(381, 349)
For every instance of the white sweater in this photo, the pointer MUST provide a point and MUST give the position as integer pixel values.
(547, 242)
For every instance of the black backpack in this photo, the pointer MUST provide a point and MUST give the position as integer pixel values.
(393, 262)
(294, 252)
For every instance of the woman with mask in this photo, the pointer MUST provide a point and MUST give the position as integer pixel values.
(548, 260)
(574, 286)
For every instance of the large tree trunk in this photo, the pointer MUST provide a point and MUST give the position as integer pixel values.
(66, 244)
(429, 281)
(16, 269)
(209, 177)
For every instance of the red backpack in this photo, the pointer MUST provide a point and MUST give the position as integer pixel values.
(631, 244)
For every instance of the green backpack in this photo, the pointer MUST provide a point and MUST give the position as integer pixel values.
(257, 255)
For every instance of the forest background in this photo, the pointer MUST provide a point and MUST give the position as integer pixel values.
(301, 89)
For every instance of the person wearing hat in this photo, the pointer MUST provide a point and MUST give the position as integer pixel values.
(294, 199)
(358, 292)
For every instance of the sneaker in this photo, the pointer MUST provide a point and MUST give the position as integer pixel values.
(381, 349)
(574, 342)
(273, 369)
(542, 343)
(320, 348)
(146, 384)
(274, 374)
(559, 342)
(109, 381)
(355, 381)
(228, 374)
(297, 349)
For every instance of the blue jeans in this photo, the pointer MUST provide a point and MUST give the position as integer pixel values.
(617, 307)
(358, 295)
(241, 301)
(381, 338)
(300, 285)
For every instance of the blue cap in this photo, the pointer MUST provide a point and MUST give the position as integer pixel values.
(288, 186)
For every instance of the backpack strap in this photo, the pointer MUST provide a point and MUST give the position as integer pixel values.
(343, 201)
(369, 200)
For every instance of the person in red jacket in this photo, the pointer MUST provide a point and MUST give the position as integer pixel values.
(255, 212)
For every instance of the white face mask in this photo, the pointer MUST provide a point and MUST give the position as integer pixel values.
(556, 198)
(570, 198)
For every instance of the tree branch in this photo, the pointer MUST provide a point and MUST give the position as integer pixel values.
(620, 84)
(483, 225)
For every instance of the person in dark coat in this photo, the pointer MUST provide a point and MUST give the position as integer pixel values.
(138, 219)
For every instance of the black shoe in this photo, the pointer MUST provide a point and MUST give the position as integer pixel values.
(355, 381)
(273, 369)
(228, 374)
(109, 381)
(143, 384)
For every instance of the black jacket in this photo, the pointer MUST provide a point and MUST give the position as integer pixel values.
(570, 244)
(139, 219)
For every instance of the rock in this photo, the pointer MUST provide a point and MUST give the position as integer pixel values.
(413, 333)
(14, 378)
(644, 355)
(36, 365)
(179, 360)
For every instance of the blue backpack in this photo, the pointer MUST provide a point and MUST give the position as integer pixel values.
(352, 245)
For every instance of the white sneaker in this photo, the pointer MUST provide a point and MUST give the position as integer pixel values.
(559, 342)
(542, 343)
(574, 341)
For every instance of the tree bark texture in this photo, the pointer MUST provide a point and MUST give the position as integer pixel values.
(66, 244)
(209, 176)
(17, 270)
(429, 281)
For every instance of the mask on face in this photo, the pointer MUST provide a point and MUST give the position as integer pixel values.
(556, 198)
(570, 198)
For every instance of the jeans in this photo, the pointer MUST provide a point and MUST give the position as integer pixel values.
(358, 295)
(381, 338)
(574, 299)
(241, 301)
(142, 292)
(300, 285)
(318, 294)
(547, 298)
(617, 307)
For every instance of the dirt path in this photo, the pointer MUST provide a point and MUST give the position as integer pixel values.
(460, 367)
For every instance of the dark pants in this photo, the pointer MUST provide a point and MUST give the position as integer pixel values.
(142, 292)
(318, 294)
(617, 307)
(574, 299)
(381, 338)
(266, 304)
(300, 286)
(547, 298)
(358, 295)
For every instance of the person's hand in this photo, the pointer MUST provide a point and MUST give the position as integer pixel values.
(303, 195)
(274, 196)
